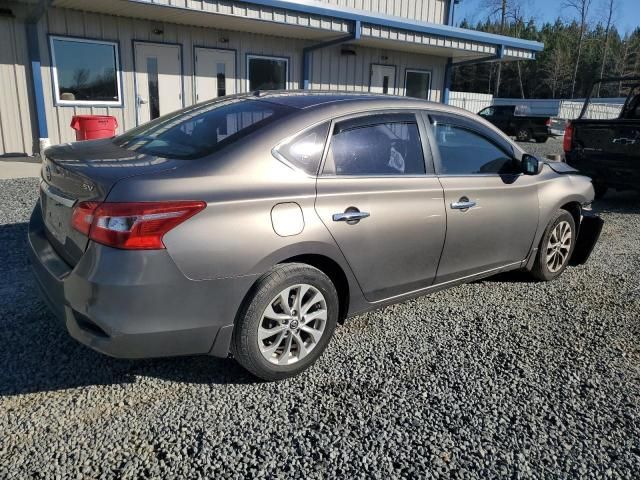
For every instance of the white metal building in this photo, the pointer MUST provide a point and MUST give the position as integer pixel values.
(137, 59)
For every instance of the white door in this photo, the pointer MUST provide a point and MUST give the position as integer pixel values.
(383, 79)
(215, 73)
(158, 80)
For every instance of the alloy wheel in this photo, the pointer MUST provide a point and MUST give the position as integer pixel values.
(292, 324)
(559, 246)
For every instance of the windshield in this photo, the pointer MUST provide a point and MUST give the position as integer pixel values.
(202, 129)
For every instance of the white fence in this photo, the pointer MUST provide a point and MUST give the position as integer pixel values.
(601, 108)
(474, 102)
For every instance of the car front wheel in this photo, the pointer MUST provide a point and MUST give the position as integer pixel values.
(556, 247)
(287, 321)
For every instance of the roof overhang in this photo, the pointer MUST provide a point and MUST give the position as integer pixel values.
(313, 20)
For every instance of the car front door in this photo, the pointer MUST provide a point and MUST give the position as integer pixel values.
(378, 196)
(492, 208)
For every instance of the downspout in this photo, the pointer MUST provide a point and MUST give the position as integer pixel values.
(33, 48)
(448, 72)
(306, 52)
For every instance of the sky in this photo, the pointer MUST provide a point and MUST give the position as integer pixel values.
(627, 18)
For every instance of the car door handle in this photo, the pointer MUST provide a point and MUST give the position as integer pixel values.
(463, 204)
(350, 216)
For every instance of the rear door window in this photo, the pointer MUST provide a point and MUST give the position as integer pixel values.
(203, 129)
(376, 145)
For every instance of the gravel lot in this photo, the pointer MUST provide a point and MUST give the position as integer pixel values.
(499, 378)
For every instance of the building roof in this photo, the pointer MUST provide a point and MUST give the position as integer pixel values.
(314, 20)
(346, 13)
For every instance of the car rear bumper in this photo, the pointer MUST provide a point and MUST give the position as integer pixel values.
(135, 304)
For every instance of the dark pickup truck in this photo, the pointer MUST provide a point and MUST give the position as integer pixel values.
(607, 150)
(516, 121)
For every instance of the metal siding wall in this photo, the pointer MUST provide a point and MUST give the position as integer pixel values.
(332, 71)
(16, 107)
(125, 31)
(434, 11)
(329, 69)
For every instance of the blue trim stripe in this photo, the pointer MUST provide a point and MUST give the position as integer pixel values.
(343, 13)
(36, 77)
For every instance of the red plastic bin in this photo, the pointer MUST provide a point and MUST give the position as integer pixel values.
(90, 127)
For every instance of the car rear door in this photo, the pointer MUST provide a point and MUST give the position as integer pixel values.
(492, 209)
(378, 196)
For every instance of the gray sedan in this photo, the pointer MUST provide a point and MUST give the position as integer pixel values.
(251, 226)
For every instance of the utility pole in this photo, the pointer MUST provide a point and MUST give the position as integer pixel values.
(503, 19)
(606, 43)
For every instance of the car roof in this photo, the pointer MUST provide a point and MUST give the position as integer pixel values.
(308, 99)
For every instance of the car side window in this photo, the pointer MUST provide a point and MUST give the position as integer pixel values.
(389, 146)
(487, 112)
(305, 149)
(465, 152)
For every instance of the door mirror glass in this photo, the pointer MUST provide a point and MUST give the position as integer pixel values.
(531, 165)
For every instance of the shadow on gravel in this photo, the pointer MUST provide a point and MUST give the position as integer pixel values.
(514, 276)
(618, 202)
(37, 354)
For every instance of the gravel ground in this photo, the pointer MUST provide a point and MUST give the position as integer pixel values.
(499, 378)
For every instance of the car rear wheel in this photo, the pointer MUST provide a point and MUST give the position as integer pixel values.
(286, 322)
(523, 135)
(556, 247)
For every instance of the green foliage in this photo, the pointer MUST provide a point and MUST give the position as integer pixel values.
(550, 75)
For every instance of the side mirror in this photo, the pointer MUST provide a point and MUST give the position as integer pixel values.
(531, 165)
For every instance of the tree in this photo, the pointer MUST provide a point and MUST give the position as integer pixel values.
(582, 7)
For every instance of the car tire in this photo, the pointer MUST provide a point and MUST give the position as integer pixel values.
(297, 342)
(523, 135)
(554, 253)
(600, 190)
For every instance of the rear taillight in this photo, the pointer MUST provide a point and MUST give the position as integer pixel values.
(132, 226)
(568, 137)
(548, 122)
(82, 216)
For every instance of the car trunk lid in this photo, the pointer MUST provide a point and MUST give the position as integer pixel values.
(85, 171)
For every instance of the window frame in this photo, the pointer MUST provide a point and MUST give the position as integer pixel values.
(267, 57)
(57, 101)
(425, 141)
(417, 70)
(472, 126)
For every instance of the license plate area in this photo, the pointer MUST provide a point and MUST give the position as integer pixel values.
(56, 212)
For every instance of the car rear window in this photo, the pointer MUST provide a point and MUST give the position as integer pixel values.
(202, 129)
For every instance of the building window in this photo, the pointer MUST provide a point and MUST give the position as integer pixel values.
(417, 84)
(85, 72)
(267, 73)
